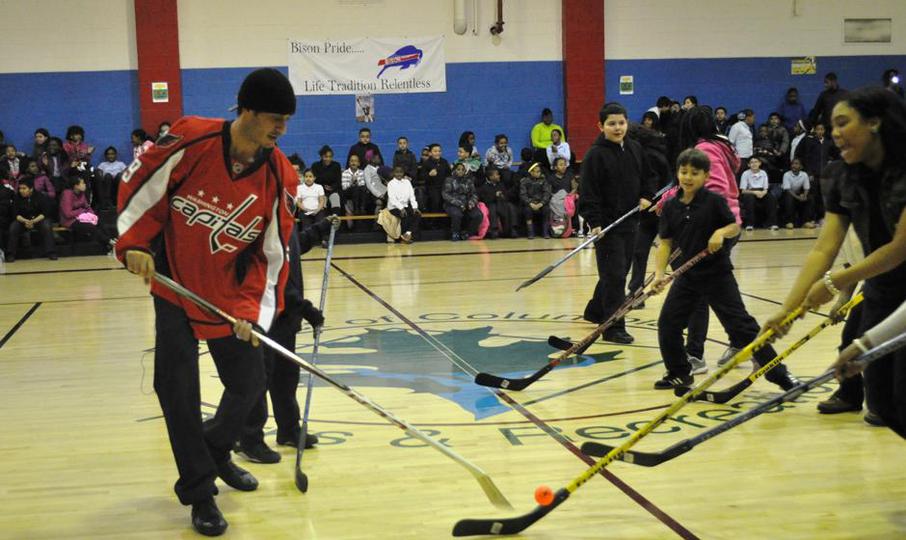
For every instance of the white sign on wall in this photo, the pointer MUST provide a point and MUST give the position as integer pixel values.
(367, 66)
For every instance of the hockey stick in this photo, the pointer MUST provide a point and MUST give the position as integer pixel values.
(588, 241)
(514, 525)
(487, 484)
(651, 459)
(300, 477)
(496, 381)
(631, 302)
(723, 396)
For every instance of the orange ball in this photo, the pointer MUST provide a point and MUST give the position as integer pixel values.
(544, 495)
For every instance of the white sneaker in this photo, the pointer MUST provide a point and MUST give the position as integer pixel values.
(727, 356)
(750, 228)
(774, 227)
(699, 366)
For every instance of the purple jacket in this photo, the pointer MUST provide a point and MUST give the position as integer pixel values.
(45, 186)
(71, 205)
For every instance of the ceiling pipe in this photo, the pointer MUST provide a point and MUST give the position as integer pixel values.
(460, 23)
(497, 29)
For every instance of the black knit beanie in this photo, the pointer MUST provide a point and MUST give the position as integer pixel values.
(267, 90)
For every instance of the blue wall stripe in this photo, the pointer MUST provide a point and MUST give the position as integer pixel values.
(487, 98)
(105, 103)
(737, 83)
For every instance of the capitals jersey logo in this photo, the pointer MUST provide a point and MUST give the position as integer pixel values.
(224, 224)
(403, 58)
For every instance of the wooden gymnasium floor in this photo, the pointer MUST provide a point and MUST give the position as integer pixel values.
(84, 452)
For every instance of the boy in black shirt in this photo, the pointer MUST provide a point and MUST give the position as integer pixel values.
(28, 215)
(692, 221)
(615, 179)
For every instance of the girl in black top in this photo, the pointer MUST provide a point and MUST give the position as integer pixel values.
(867, 190)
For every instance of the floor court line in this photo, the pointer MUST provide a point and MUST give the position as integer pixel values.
(628, 490)
(19, 324)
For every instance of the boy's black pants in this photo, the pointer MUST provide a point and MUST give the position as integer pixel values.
(282, 382)
(612, 254)
(199, 447)
(721, 293)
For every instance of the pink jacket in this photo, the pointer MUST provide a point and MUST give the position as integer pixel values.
(722, 180)
(71, 205)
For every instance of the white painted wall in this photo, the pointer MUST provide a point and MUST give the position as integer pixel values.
(246, 33)
(67, 35)
(638, 29)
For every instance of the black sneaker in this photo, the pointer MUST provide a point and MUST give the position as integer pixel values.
(257, 453)
(836, 405)
(236, 477)
(617, 335)
(293, 440)
(207, 519)
(670, 381)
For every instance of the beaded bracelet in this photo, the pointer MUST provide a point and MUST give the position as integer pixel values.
(829, 284)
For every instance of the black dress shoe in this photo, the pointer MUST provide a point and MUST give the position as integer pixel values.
(236, 477)
(873, 419)
(835, 405)
(207, 519)
(257, 452)
(617, 335)
(293, 440)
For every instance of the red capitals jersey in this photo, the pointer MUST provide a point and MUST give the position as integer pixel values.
(224, 236)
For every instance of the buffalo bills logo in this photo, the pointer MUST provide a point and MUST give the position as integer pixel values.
(403, 58)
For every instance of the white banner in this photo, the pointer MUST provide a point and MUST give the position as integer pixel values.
(367, 66)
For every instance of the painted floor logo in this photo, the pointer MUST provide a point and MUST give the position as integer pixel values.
(401, 358)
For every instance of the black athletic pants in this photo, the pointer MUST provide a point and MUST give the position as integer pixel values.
(795, 211)
(885, 379)
(200, 446)
(282, 382)
(648, 224)
(852, 390)
(750, 206)
(721, 293)
(94, 231)
(612, 254)
(471, 215)
(532, 217)
(17, 229)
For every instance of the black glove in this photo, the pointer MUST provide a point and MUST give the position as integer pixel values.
(313, 315)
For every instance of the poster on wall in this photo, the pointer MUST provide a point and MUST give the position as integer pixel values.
(367, 66)
(803, 66)
(364, 108)
(160, 92)
(627, 85)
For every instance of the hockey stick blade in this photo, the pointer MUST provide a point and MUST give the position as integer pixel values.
(717, 396)
(300, 477)
(643, 459)
(494, 381)
(514, 525)
(559, 343)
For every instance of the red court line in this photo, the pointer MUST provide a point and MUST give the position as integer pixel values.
(640, 499)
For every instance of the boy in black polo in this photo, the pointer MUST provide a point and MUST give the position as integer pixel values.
(692, 221)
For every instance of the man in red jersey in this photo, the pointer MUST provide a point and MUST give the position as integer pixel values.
(210, 205)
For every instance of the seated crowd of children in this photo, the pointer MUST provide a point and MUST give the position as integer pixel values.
(483, 194)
